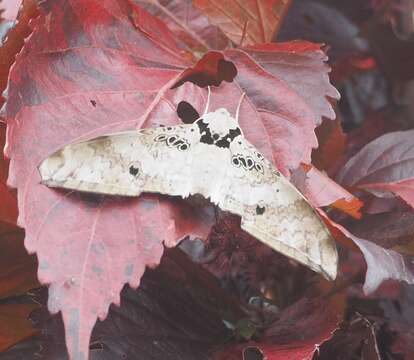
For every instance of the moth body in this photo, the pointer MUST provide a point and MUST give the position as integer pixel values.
(210, 157)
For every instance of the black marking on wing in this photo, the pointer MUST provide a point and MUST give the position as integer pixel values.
(214, 139)
(260, 210)
(205, 132)
(134, 169)
(173, 141)
(227, 139)
(247, 162)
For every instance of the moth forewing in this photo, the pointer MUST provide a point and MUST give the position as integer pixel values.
(210, 157)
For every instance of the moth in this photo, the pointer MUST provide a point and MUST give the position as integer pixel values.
(210, 157)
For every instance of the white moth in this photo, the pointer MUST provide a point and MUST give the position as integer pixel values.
(210, 157)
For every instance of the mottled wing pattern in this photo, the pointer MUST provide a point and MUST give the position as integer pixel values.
(275, 212)
(127, 164)
(210, 157)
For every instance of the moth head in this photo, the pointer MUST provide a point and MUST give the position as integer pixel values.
(220, 122)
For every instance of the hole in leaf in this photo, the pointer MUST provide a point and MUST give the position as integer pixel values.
(253, 353)
(226, 70)
(187, 113)
(211, 69)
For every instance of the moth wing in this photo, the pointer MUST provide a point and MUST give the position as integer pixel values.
(275, 212)
(127, 163)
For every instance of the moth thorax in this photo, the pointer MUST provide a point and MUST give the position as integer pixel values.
(220, 122)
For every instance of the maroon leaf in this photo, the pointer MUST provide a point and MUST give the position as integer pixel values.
(388, 229)
(248, 267)
(384, 165)
(332, 144)
(389, 158)
(398, 314)
(382, 264)
(8, 203)
(17, 267)
(175, 314)
(354, 339)
(404, 189)
(301, 328)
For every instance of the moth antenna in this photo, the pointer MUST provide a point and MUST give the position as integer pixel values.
(239, 106)
(208, 100)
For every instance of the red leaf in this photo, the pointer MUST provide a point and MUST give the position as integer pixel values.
(279, 111)
(251, 23)
(14, 40)
(384, 165)
(188, 24)
(9, 9)
(382, 264)
(89, 70)
(301, 65)
(75, 85)
(389, 158)
(404, 189)
(323, 191)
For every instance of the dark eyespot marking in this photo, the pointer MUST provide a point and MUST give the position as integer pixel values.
(171, 140)
(250, 163)
(243, 161)
(259, 156)
(183, 147)
(235, 160)
(169, 128)
(260, 210)
(178, 142)
(259, 167)
(133, 170)
(161, 137)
